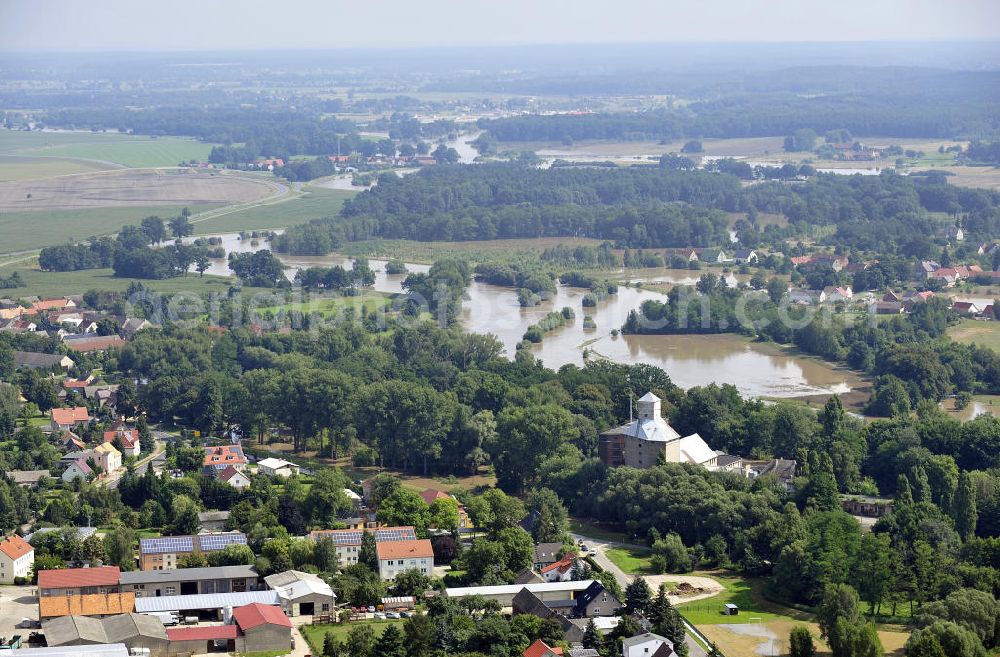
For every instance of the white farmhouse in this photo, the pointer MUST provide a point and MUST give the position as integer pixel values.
(17, 558)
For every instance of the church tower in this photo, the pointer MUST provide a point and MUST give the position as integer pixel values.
(649, 407)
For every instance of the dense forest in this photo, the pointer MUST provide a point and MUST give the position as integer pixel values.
(886, 102)
(651, 207)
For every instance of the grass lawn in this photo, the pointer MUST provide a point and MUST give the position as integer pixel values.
(46, 283)
(597, 532)
(21, 231)
(315, 203)
(744, 593)
(984, 334)
(126, 150)
(634, 561)
(315, 634)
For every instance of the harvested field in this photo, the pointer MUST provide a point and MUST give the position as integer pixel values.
(131, 189)
(18, 167)
(985, 177)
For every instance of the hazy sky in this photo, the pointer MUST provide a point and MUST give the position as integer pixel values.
(267, 24)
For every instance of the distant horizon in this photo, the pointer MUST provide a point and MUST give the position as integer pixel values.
(495, 46)
(230, 25)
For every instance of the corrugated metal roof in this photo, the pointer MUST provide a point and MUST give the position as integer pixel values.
(205, 601)
(512, 589)
(188, 574)
(92, 650)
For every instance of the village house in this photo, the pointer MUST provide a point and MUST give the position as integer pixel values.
(109, 458)
(395, 557)
(745, 256)
(129, 439)
(691, 255)
(38, 361)
(967, 308)
(78, 469)
(541, 649)
(163, 553)
(57, 303)
(27, 478)
(87, 343)
(713, 255)
(560, 571)
(955, 233)
(348, 541)
(648, 645)
(66, 419)
(17, 559)
(833, 293)
(464, 522)
(235, 478)
(643, 442)
(133, 325)
(221, 457)
(70, 442)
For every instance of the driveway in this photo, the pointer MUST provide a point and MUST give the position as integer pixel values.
(597, 551)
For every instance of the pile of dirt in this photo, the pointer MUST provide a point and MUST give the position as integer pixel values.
(685, 588)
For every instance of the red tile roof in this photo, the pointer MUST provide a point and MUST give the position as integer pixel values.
(257, 614)
(74, 578)
(202, 633)
(431, 494)
(70, 415)
(97, 343)
(540, 649)
(15, 547)
(563, 565)
(129, 437)
(412, 549)
(224, 455)
(51, 304)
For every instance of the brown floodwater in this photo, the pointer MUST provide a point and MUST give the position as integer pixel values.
(690, 360)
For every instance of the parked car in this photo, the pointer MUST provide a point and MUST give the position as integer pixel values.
(371, 609)
(405, 614)
(391, 614)
(379, 615)
(584, 548)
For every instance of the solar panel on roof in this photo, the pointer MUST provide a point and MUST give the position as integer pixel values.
(406, 534)
(166, 545)
(220, 541)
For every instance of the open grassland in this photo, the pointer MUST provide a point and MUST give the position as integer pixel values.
(984, 334)
(986, 177)
(485, 251)
(21, 167)
(48, 284)
(313, 203)
(125, 150)
(743, 592)
(21, 231)
(126, 188)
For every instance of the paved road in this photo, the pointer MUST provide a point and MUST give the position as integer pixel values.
(112, 480)
(597, 551)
